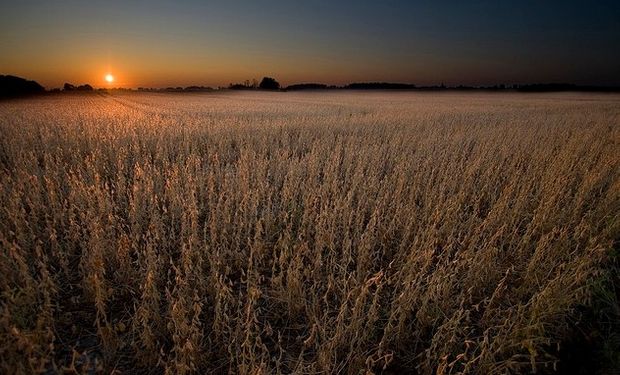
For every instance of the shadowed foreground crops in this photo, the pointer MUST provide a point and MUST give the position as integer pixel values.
(309, 233)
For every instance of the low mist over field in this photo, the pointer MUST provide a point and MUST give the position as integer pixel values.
(309, 233)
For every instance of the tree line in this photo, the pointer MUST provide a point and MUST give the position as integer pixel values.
(12, 86)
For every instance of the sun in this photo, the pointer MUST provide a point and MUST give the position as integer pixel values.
(109, 78)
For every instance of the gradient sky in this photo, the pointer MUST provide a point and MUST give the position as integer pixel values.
(179, 43)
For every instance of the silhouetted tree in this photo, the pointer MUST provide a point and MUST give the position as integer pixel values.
(269, 83)
(68, 87)
(85, 87)
(11, 86)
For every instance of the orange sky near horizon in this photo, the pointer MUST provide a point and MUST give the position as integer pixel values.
(152, 68)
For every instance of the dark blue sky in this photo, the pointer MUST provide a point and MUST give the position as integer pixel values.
(159, 43)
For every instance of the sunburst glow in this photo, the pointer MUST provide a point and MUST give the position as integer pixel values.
(109, 78)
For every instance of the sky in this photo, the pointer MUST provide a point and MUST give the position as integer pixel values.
(179, 43)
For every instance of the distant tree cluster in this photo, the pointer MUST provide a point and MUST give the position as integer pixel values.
(267, 83)
(70, 87)
(380, 86)
(178, 89)
(307, 86)
(245, 85)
